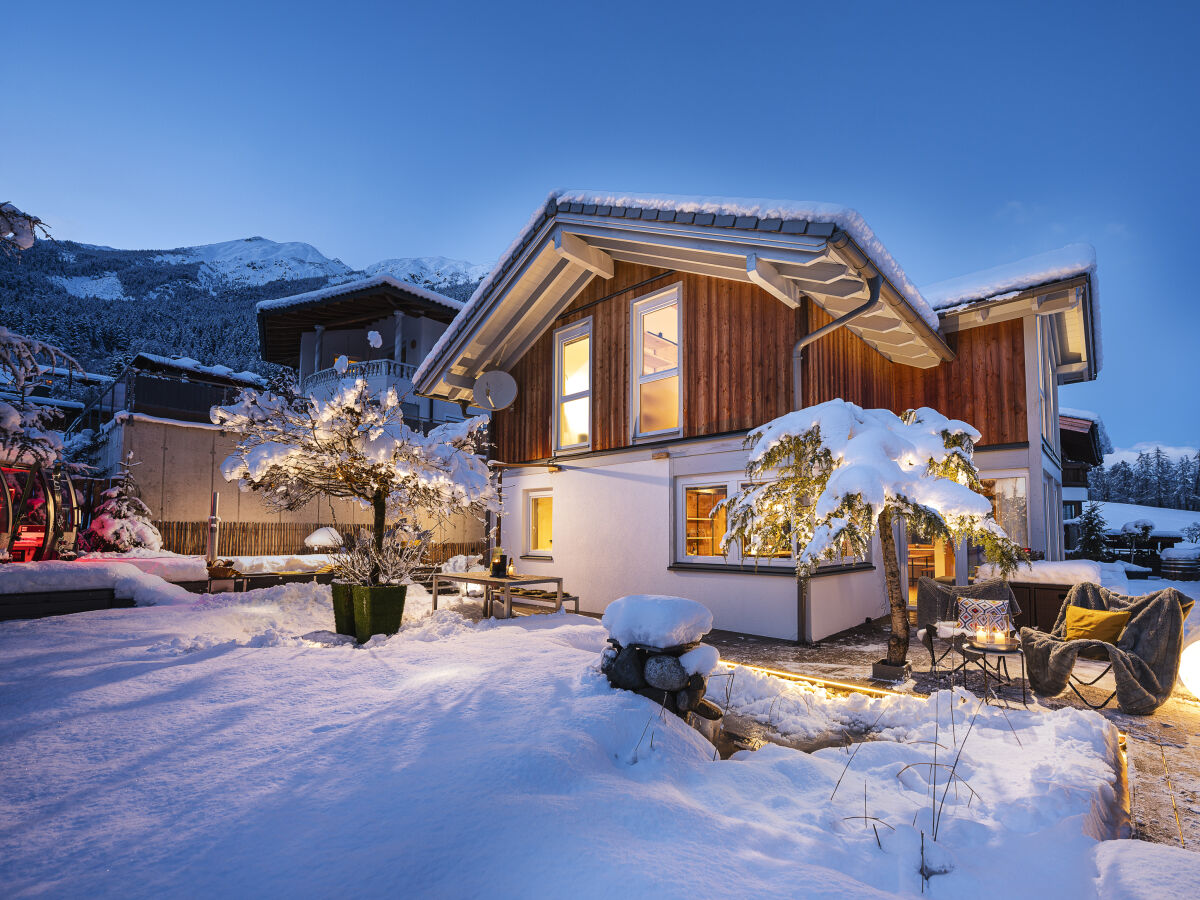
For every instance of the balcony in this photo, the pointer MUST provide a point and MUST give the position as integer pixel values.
(380, 374)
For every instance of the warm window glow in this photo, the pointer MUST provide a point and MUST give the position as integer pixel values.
(576, 373)
(656, 331)
(660, 339)
(658, 403)
(574, 383)
(541, 524)
(703, 534)
(573, 422)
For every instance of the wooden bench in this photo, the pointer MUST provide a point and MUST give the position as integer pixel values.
(530, 602)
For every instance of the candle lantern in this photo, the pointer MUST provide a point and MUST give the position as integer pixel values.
(499, 565)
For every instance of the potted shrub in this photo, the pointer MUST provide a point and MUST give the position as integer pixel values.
(826, 479)
(355, 445)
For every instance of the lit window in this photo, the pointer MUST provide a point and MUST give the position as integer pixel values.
(703, 532)
(656, 363)
(782, 549)
(541, 524)
(573, 385)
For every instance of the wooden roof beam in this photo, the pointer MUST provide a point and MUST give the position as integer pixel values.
(575, 249)
(767, 277)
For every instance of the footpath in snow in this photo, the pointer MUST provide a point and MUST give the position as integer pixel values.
(223, 747)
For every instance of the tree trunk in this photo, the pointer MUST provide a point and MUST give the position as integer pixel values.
(897, 651)
(379, 505)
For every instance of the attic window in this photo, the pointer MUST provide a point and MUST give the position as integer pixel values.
(656, 361)
(573, 386)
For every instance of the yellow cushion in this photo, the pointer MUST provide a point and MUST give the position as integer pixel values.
(1094, 624)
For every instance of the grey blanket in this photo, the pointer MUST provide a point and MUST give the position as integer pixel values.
(937, 602)
(1145, 659)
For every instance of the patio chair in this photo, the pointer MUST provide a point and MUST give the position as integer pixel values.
(1144, 661)
(938, 602)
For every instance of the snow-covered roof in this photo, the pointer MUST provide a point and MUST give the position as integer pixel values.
(350, 287)
(817, 212)
(185, 365)
(752, 223)
(1043, 268)
(1106, 445)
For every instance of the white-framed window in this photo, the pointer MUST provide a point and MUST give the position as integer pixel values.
(655, 326)
(698, 535)
(539, 523)
(573, 386)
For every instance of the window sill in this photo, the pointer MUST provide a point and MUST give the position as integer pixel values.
(537, 556)
(730, 569)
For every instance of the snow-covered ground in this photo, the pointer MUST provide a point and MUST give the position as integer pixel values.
(1165, 520)
(211, 749)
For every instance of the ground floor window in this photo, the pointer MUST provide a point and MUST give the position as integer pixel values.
(540, 536)
(700, 534)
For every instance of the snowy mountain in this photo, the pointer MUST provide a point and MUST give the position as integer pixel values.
(103, 304)
(434, 272)
(255, 261)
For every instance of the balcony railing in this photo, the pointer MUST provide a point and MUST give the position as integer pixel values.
(372, 368)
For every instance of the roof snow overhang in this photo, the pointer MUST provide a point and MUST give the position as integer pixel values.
(1080, 440)
(1059, 284)
(283, 320)
(790, 250)
(1070, 307)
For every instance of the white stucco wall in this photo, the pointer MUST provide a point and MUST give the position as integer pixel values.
(614, 535)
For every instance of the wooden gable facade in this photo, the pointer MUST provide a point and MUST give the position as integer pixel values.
(736, 373)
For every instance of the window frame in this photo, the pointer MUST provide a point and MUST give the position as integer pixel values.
(639, 307)
(530, 496)
(562, 337)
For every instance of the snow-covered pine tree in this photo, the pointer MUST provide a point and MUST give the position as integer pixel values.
(355, 445)
(122, 522)
(1097, 477)
(1091, 532)
(1161, 471)
(1121, 483)
(1143, 480)
(826, 479)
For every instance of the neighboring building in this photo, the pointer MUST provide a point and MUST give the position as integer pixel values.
(1084, 442)
(157, 409)
(647, 335)
(310, 332)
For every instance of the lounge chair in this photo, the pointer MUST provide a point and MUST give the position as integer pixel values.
(1144, 661)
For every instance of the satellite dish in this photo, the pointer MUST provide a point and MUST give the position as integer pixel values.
(495, 390)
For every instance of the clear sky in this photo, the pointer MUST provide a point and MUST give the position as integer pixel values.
(966, 135)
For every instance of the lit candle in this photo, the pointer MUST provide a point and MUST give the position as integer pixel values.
(981, 636)
(512, 569)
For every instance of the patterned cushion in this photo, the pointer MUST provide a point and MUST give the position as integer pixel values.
(990, 615)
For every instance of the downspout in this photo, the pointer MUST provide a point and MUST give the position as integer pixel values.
(803, 608)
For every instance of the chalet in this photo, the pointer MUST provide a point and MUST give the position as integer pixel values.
(648, 334)
(380, 327)
(1084, 443)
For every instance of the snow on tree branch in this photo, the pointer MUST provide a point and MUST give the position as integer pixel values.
(828, 478)
(18, 230)
(356, 446)
(26, 428)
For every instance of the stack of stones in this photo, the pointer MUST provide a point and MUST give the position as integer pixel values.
(657, 673)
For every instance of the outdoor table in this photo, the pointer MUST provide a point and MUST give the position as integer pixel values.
(997, 668)
(492, 583)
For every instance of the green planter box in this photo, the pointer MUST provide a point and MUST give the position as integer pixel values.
(378, 609)
(343, 609)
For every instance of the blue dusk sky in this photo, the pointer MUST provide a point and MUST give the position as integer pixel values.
(967, 135)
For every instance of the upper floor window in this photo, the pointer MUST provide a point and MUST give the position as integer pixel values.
(656, 331)
(573, 386)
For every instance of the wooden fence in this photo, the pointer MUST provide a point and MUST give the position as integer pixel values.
(273, 539)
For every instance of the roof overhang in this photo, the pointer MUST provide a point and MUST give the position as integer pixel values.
(1080, 439)
(572, 243)
(281, 323)
(1071, 309)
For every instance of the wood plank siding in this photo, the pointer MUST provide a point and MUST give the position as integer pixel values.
(737, 366)
(983, 385)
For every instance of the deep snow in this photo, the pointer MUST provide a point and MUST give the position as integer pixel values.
(210, 749)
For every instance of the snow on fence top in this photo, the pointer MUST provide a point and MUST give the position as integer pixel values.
(1054, 265)
(186, 364)
(349, 287)
(657, 620)
(845, 218)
